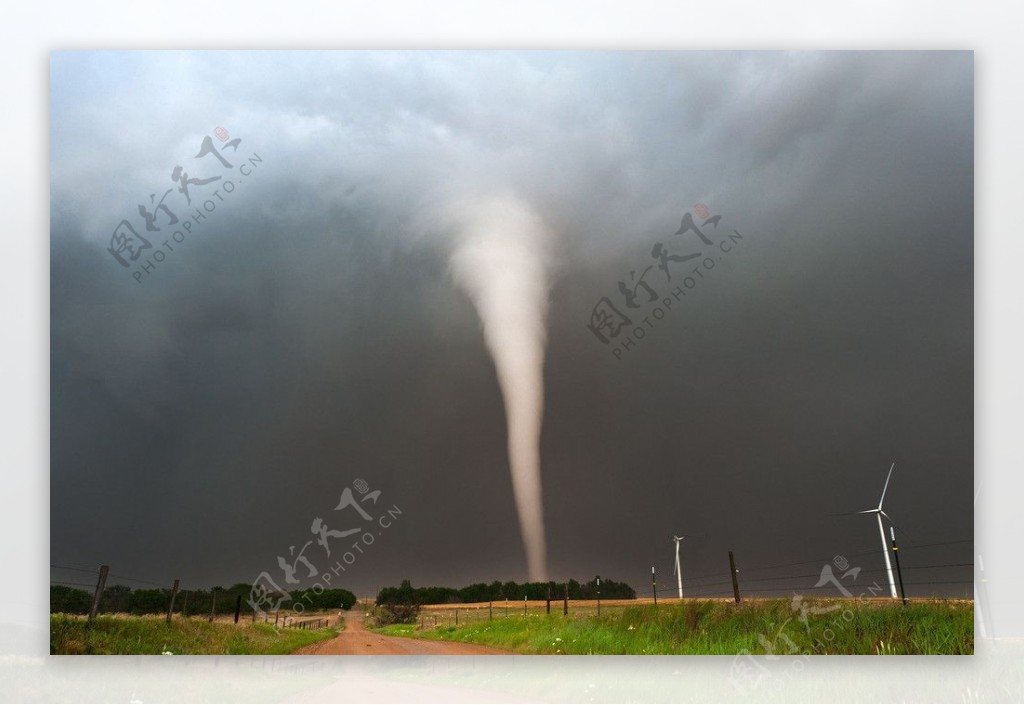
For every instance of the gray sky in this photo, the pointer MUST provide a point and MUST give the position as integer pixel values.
(308, 332)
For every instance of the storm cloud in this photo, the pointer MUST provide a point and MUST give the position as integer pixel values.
(309, 329)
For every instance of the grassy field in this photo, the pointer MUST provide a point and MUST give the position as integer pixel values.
(71, 634)
(718, 627)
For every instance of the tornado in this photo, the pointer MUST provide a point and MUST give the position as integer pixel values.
(499, 259)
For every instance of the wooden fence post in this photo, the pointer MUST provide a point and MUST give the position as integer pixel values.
(735, 578)
(213, 602)
(100, 585)
(174, 594)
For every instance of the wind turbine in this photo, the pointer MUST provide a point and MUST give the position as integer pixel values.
(879, 513)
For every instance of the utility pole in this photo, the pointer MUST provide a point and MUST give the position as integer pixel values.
(896, 555)
(599, 596)
(549, 600)
(565, 601)
(174, 594)
(101, 583)
(735, 577)
(213, 602)
(654, 586)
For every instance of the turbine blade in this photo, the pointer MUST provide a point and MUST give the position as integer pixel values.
(850, 514)
(887, 477)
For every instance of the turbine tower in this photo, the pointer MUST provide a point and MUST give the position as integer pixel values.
(678, 566)
(879, 513)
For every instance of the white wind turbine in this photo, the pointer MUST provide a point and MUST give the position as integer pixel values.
(879, 513)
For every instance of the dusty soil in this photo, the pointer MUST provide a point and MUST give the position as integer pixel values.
(359, 642)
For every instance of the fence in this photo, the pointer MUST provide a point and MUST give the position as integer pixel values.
(796, 577)
(76, 596)
(916, 581)
(732, 582)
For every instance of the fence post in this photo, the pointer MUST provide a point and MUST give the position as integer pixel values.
(238, 608)
(456, 616)
(184, 605)
(170, 607)
(213, 602)
(549, 600)
(490, 611)
(100, 584)
(735, 578)
(565, 601)
(896, 555)
(654, 586)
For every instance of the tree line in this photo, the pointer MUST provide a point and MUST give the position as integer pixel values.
(406, 594)
(123, 599)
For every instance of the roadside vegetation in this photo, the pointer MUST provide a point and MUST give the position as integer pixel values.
(716, 627)
(124, 634)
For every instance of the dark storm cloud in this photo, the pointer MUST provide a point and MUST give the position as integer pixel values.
(308, 333)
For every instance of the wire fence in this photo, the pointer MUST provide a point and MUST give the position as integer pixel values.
(774, 579)
(836, 576)
(116, 593)
(924, 580)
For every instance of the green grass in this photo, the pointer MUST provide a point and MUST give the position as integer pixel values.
(723, 628)
(71, 634)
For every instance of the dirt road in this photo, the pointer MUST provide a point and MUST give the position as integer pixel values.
(359, 642)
